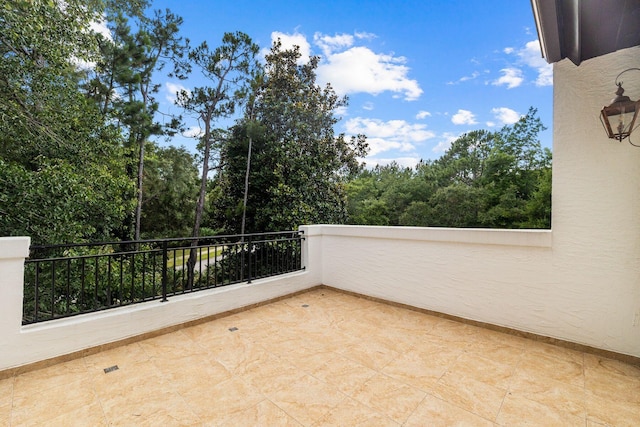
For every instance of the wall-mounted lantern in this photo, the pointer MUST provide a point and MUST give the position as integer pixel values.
(619, 117)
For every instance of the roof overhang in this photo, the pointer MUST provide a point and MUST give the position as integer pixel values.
(583, 29)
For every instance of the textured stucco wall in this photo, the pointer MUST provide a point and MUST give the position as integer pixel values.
(20, 345)
(583, 287)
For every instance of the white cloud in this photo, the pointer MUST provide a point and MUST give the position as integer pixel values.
(101, 27)
(473, 76)
(296, 39)
(193, 132)
(359, 69)
(532, 57)
(352, 68)
(464, 117)
(390, 135)
(341, 111)
(329, 44)
(172, 91)
(422, 114)
(511, 77)
(368, 106)
(364, 35)
(445, 143)
(508, 50)
(504, 116)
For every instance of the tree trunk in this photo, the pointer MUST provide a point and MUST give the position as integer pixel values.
(246, 189)
(200, 204)
(140, 178)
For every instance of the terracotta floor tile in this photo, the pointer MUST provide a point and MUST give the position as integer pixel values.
(31, 383)
(236, 353)
(595, 365)
(87, 415)
(483, 369)
(390, 397)
(171, 346)
(352, 413)
(222, 401)
(370, 354)
(612, 380)
(125, 380)
(344, 374)
(435, 412)
(501, 352)
(197, 371)
(341, 360)
(307, 400)
(555, 394)
(421, 368)
(612, 412)
(501, 338)
(124, 356)
(272, 375)
(158, 409)
(555, 351)
(308, 359)
(536, 365)
(474, 396)
(52, 402)
(5, 413)
(519, 411)
(6, 391)
(264, 413)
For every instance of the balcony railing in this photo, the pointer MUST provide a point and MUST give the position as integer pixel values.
(67, 280)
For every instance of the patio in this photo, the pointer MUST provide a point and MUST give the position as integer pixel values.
(325, 357)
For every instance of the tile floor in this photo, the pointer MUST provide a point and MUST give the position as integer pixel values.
(324, 358)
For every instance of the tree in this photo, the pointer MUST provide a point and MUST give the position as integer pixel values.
(123, 83)
(300, 164)
(171, 187)
(60, 162)
(228, 68)
(485, 179)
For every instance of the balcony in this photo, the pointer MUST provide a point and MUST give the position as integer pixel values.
(383, 326)
(323, 357)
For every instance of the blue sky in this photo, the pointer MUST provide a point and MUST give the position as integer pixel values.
(417, 73)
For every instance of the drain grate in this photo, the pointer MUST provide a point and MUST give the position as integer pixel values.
(233, 329)
(111, 369)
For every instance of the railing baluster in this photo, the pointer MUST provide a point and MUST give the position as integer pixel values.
(53, 290)
(121, 278)
(165, 257)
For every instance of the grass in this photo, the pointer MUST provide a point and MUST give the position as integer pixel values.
(182, 256)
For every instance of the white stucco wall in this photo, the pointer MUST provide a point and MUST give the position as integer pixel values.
(584, 286)
(20, 345)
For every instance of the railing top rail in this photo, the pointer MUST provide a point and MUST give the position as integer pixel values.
(167, 240)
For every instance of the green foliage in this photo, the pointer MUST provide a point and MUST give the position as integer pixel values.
(81, 279)
(486, 179)
(228, 69)
(298, 164)
(122, 86)
(170, 192)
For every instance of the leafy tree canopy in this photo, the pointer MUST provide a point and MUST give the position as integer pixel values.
(485, 179)
(298, 164)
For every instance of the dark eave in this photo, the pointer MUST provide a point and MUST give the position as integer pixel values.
(583, 29)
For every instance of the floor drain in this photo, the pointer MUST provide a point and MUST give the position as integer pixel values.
(111, 369)
(233, 329)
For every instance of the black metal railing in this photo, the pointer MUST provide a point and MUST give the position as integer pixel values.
(67, 280)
